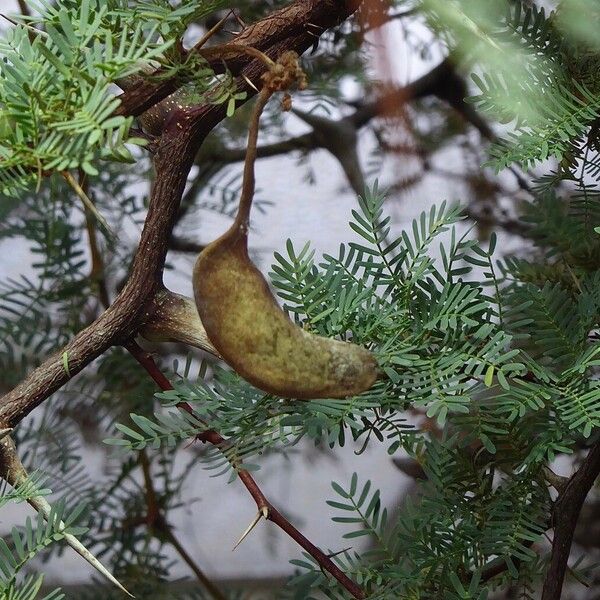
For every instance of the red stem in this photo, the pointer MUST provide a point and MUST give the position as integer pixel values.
(213, 437)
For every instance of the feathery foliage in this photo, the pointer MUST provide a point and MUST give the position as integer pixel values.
(489, 363)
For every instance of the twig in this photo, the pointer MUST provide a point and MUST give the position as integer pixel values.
(340, 139)
(212, 31)
(340, 136)
(97, 270)
(565, 515)
(572, 494)
(13, 471)
(208, 584)
(306, 141)
(88, 204)
(558, 482)
(156, 520)
(263, 505)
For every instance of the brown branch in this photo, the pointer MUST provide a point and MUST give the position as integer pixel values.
(97, 270)
(184, 133)
(24, 8)
(121, 320)
(262, 503)
(339, 137)
(167, 531)
(442, 81)
(291, 28)
(564, 516)
(156, 521)
(306, 141)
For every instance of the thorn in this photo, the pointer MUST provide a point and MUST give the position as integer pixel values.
(239, 19)
(26, 25)
(250, 83)
(41, 505)
(16, 475)
(12, 21)
(5, 432)
(212, 31)
(334, 554)
(263, 512)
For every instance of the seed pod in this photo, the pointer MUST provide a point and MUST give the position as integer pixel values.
(242, 317)
(246, 325)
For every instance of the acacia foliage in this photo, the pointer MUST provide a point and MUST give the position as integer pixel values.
(497, 355)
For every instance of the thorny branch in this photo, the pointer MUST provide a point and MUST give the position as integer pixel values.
(272, 81)
(262, 503)
(174, 153)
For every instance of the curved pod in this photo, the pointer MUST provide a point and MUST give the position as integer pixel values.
(246, 325)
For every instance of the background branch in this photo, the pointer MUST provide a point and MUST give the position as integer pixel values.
(564, 516)
(157, 522)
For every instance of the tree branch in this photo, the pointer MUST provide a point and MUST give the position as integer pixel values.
(262, 503)
(293, 27)
(565, 515)
(184, 133)
(306, 141)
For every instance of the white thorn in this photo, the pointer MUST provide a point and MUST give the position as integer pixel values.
(41, 505)
(263, 512)
(250, 83)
